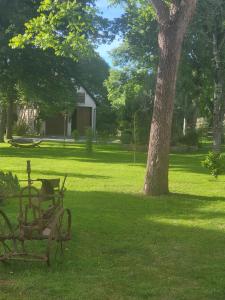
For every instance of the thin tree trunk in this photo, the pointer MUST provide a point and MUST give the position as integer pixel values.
(173, 25)
(218, 109)
(2, 123)
(217, 117)
(9, 121)
(185, 116)
(192, 118)
(185, 126)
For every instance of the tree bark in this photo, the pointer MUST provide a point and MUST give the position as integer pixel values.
(9, 121)
(173, 27)
(2, 123)
(217, 117)
(192, 118)
(218, 108)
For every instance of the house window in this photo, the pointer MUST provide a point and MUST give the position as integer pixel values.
(81, 97)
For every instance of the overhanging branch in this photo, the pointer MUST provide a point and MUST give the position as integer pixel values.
(162, 11)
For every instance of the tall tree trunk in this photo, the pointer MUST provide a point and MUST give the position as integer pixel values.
(185, 116)
(185, 126)
(2, 123)
(173, 24)
(218, 112)
(192, 118)
(9, 121)
(218, 109)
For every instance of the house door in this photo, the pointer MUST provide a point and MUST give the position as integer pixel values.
(55, 125)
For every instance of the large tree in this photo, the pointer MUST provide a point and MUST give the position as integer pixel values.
(213, 27)
(71, 28)
(32, 76)
(204, 55)
(173, 19)
(28, 75)
(138, 22)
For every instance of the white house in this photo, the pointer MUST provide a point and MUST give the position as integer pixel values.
(82, 117)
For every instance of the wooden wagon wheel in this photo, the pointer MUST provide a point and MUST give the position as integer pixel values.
(8, 244)
(60, 233)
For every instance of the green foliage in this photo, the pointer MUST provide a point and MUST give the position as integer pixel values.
(32, 76)
(20, 128)
(86, 70)
(75, 135)
(126, 137)
(131, 85)
(130, 92)
(141, 126)
(139, 29)
(102, 137)
(9, 185)
(70, 28)
(43, 30)
(192, 138)
(89, 140)
(106, 120)
(213, 162)
(195, 87)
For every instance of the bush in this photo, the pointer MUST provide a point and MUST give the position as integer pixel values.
(9, 185)
(126, 137)
(141, 127)
(20, 128)
(89, 139)
(103, 137)
(192, 138)
(213, 162)
(106, 120)
(75, 135)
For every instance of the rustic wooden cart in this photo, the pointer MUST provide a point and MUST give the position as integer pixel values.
(41, 217)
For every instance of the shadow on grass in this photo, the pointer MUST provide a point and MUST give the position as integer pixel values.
(188, 163)
(103, 154)
(113, 154)
(70, 174)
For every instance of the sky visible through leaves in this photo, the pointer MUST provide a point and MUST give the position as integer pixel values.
(110, 13)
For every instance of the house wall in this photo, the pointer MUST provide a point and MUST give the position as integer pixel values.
(89, 102)
(28, 115)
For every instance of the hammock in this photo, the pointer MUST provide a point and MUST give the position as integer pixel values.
(24, 143)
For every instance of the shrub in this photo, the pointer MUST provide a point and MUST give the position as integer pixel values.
(213, 162)
(75, 135)
(20, 128)
(9, 185)
(106, 120)
(89, 139)
(103, 137)
(126, 137)
(141, 127)
(192, 138)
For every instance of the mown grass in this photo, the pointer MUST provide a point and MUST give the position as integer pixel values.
(125, 245)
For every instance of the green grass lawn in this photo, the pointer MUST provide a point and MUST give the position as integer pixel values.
(125, 245)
